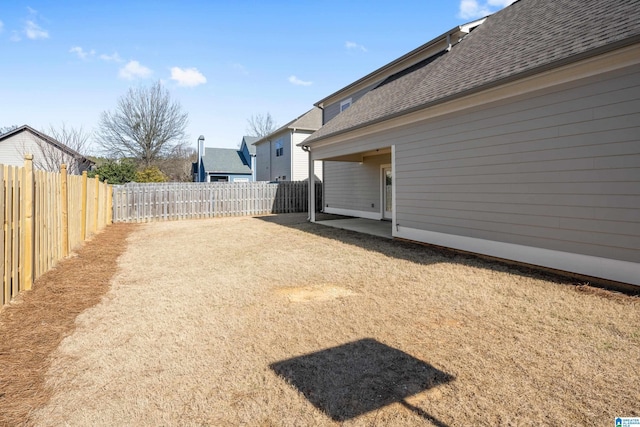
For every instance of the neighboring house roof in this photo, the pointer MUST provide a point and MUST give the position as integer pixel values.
(528, 37)
(248, 141)
(25, 128)
(225, 161)
(309, 121)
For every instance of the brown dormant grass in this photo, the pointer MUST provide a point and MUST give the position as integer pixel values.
(276, 322)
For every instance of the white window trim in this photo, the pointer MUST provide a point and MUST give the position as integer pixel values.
(346, 102)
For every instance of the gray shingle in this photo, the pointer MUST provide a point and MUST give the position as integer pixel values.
(523, 37)
(224, 160)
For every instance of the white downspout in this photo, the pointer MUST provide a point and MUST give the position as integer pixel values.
(252, 159)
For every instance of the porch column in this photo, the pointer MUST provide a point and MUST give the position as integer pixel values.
(312, 188)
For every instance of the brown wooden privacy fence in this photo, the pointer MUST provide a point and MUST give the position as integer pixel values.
(171, 201)
(45, 215)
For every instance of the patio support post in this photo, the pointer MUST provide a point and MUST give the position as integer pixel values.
(312, 187)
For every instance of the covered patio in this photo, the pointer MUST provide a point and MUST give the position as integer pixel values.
(361, 225)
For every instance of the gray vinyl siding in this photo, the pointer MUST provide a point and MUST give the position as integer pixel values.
(263, 155)
(281, 165)
(354, 186)
(271, 167)
(558, 169)
(332, 110)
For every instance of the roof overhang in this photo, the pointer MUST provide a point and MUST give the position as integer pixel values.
(436, 45)
(588, 64)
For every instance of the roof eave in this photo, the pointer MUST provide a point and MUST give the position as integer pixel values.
(546, 67)
(466, 28)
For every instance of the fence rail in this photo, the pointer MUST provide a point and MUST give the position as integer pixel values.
(171, 201)
(45, 215)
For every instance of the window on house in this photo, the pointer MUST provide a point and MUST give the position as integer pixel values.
(279, 148)
(218, 178)
(345, 104)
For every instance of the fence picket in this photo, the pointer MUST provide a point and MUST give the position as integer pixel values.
(137, 202)
(34, 237)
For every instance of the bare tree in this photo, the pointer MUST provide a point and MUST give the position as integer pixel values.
(261, 125)
(57, 146)
(146, 125)
(5, 129)
(177, 166)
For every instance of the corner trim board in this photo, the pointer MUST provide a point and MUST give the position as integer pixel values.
(605, 268)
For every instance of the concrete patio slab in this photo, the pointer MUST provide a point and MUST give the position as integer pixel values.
(361, 225)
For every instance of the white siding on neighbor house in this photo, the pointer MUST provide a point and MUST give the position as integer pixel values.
(14, 148)
(556, 171)
(300, 161)
(354, 186)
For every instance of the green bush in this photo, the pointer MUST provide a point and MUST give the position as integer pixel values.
(115, 171)
(151, 174)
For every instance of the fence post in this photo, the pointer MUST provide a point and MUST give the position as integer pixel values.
(27, 188)
(109, 206)
(64, 207)
(96, 204)
(84, 206)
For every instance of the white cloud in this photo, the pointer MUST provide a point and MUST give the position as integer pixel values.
(189, 77)
(111, 58)
(134, 70)
(471, 9)
(34, 32)
(354, 46)
(82, 54)
(296, 81)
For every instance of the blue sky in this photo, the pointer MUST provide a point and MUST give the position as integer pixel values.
(67, 61)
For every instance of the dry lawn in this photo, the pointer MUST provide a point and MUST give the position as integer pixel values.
(276, 322)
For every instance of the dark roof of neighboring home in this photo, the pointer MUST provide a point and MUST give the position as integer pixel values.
(309, 121)
(48, 139)
(224, 160)
(248, 141)
(527, 37)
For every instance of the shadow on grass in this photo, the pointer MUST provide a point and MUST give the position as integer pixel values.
(359, 377)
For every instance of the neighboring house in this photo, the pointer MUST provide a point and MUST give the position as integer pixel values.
(227, 164)
(48, 153)
(278, 155)
(519, 140)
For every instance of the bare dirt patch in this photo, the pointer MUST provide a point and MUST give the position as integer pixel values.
(199, 328)
(34, 324)
(320, 293)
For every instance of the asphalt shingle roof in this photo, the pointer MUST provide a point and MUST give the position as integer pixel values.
(527, 36)
(249, 140)
(310, 121)
(224, 160)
